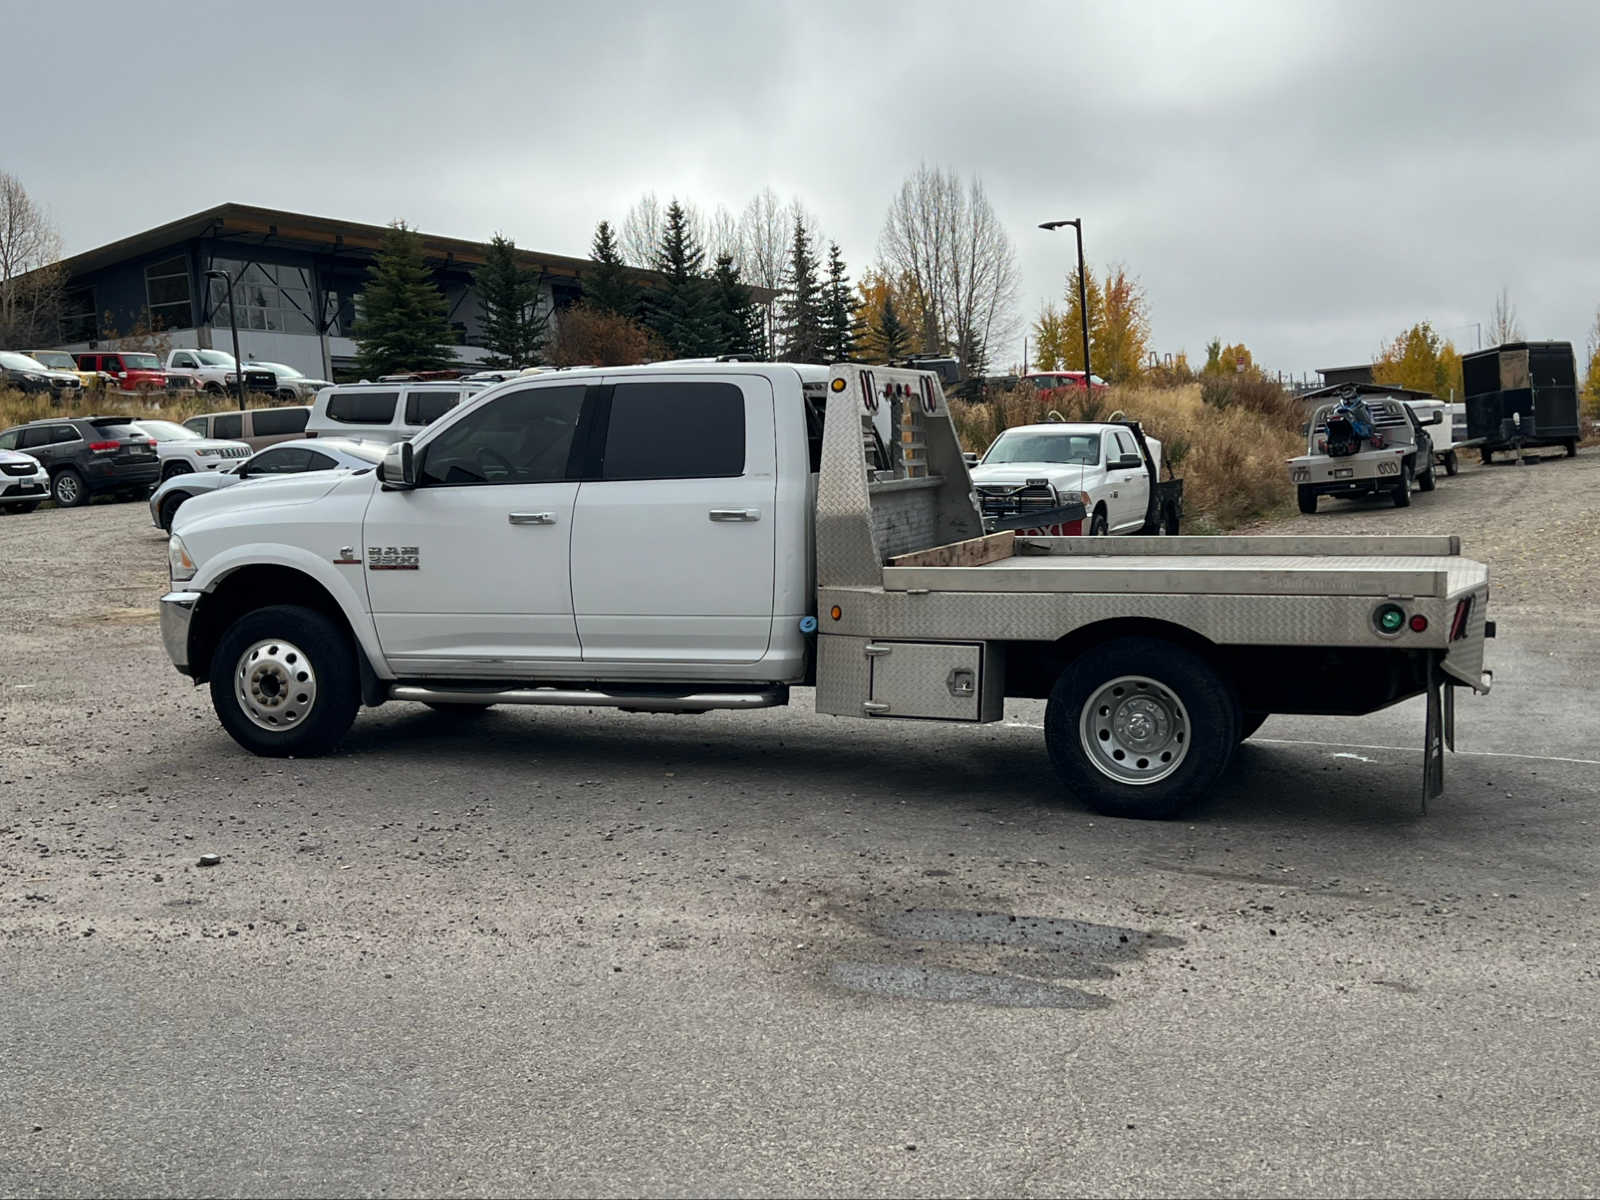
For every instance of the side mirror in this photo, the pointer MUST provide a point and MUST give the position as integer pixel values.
(969, 457)
(397, 471)
(1128, 462)
(1437, 417)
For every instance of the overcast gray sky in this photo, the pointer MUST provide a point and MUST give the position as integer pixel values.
(1309, 179)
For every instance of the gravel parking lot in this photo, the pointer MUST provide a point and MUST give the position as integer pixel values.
(564, 952)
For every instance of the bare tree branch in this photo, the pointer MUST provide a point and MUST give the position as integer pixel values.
(30, 290)
(1504, 326)
(947, 241)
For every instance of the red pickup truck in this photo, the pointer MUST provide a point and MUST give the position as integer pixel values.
(131, 371)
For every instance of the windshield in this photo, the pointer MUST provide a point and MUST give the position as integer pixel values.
(278, 369)
(215, 358)
(1018, 447)
(141, 362)
(166, 431)
(19, 362)
(56, 360)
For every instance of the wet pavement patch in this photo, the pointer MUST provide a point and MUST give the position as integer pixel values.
(1033, 933)
(1038, 953)
(952, 984)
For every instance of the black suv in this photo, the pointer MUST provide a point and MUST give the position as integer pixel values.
(88, 455)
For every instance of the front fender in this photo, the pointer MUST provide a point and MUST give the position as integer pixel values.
(341, 581)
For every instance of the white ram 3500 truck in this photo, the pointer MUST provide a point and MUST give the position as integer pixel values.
(692, 536)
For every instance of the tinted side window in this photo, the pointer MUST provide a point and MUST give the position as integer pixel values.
(319, 462)
(362, 408)
(227, 425)
(1125, 444)
(184, 360)
(522, 437)
(198, 424)
(66, 433)
(279, 462)
(39, 435)
(424, 408)
(270, 422)
(674, 431)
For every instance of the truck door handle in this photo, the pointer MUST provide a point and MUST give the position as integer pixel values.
(735, 514)
(531, 518)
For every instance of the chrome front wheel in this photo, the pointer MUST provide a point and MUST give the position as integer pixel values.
(275, 684)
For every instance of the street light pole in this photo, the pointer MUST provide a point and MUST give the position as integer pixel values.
(1083, 289)
(233, 323)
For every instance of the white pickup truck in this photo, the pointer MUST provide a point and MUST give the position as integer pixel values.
(695, 536)
(1031, 474)
(214, 371)
(1398, 454)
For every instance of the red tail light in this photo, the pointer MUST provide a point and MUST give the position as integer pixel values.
(105, 445)
(1458, 625)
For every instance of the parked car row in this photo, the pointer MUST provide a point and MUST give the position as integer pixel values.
(74, 460)
(62, 373)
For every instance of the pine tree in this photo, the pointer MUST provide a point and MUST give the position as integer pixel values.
(890, 333)
(514, 323)
(734, 315)
(800, 320)
(840, 332)
(681, 313)
(403, 324)
(609, 287)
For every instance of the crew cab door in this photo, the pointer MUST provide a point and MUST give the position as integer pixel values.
(1131, 485)
(673, 535)
(467, 572)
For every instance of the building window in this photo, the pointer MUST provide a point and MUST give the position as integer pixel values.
(79, 317)
(166, 289)
(267, 296)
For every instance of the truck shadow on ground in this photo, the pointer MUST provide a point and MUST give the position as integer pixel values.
(998, 769)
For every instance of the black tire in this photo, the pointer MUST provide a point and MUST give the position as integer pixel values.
(27, 506)
(1452, 464)
(68, 489)
(317, 647)
(167, 511)
(176, 467)
(1427, 481)
(213, 388)
(1250, 722)
(1572, 447)
(286, 397)
(1308, 499)
(1098, 525)
(1486, 455)
(1207, 743)
(1402, 490)
(457, 708)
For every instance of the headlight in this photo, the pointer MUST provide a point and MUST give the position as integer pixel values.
(207, 453)
(34, 378)
(179, 565)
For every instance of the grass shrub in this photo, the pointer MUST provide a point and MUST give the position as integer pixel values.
(18, 407)
(1230, 455)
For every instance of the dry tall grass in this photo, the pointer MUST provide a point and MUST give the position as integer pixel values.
(18, 407)
(1231, 458)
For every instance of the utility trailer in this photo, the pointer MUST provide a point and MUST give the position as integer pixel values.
(477, 567)
(1520, 395)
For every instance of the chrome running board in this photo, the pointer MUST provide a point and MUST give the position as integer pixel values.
(643, 699)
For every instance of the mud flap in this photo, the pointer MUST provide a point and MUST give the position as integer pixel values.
(1435, 734)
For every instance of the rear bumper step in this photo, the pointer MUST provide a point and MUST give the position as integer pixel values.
(661, 700)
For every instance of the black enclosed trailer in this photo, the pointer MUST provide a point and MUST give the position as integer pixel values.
(1522, 393)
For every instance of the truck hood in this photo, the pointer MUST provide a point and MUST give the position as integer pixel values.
(258, 495)
(1056, 473)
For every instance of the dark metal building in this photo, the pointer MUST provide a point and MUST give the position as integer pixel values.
(295, 282)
